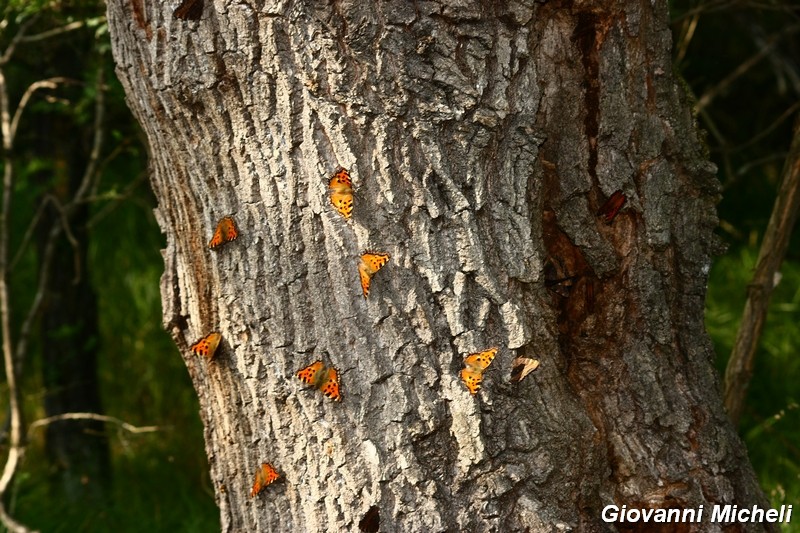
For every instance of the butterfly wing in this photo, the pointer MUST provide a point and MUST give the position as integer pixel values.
(343, 203)
(229, 230)
(226, 232)
(265, 475)
(342, 192)
(474, 365)
(612, 206)
(217, 239)
(207, 346)
(374, 261)
(365, 278)
(341, 180)
(330, 385)
(370, 263)
(521, 367)
(481, 360)
(311, 374)
(189, 10)
(472, 379)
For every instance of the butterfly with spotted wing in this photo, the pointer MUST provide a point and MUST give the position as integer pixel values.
(207, 346)
(342, 192)
(474, 366)
(265, 475)
(226, 232)
(370, 263)
(323, 378)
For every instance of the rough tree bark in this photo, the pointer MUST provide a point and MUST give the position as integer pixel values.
(482, 138)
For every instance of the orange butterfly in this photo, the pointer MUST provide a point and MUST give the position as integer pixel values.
(342, 192)
(521, 367)
(207, 346)
(612, 206)
(474, 365)
(226, 232)
(264, 476)
(370, 263)
(323, 378)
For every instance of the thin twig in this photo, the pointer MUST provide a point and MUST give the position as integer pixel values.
(6, 57)
(38, 299)
(130, 428)
(720, 5)
(704, 8)
(16, 444)
(13, 359)
(773, 250)
(118, 149)
(97, 141)
(50, 83)
(769, 129)
(708, 122)
(125, 194)
(27, 236)
(63, 216)
(744, 169)
(90, 174)
(686, 38)
(742, 68)
(72, 26)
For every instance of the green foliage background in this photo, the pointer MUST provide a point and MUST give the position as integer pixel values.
(160, 479)
(749, 128)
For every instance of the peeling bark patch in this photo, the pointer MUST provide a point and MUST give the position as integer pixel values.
(584, 37)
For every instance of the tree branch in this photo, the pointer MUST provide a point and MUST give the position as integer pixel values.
(97, 141)
(712, 93)
(16, 446)
(72, 26)
(130, 428)
(126, 193)
(38, 299)
(773, 249)
(50, 83)
(27, 236)
(6, 57)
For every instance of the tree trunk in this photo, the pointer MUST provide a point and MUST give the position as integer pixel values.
(482, 139)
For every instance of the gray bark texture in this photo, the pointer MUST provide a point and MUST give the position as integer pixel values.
(482, 138)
